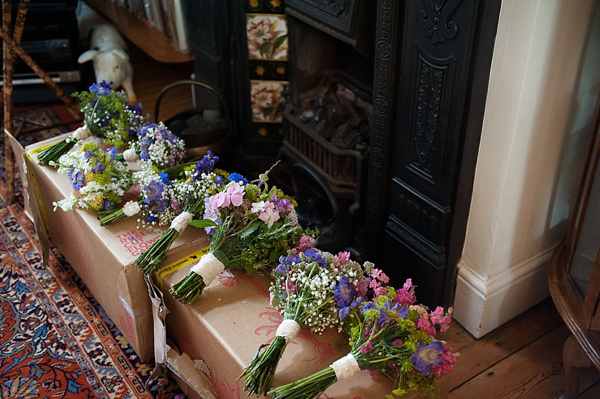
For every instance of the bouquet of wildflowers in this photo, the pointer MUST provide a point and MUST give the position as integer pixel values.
(105, 115)
(155, 145)
(249, 226)
(183, 198)
(99, 180)
(308, 285)
(388, 335)
(162, 193)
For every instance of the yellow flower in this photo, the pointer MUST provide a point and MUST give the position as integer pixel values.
(96, 203)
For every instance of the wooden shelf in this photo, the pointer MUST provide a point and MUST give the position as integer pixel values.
(152, 41)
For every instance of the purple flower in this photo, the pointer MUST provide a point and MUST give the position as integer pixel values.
(205, 165)
(427, 357)
(70, 175)
(344, 292)
(281, 204)
(79, 181)
(88, 154)
(220, 180)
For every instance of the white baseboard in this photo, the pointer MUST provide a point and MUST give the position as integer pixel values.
(481, 304)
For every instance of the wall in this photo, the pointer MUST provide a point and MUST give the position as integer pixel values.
(539, 112)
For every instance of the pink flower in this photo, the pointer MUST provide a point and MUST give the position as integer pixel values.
(363, 286)
(448, 361)
(398, 342)
(374, 373)
(366, 347)
(235, 193)
(374, 284)
(175, 205)
(343, 257)
(221, 200)
(437, 315)
(305, 243)
(269, 215)
(425, 325)
(380, 290)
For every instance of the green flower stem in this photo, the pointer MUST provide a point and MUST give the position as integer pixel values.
(188, 289)
(149, 260)
(309, 387)
(51, 154)
(260, 372)
(107, 217)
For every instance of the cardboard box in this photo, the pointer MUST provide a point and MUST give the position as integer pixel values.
(222, 330)
(103, 256)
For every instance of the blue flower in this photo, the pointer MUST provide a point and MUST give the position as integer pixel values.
(88, 154)
(205, 165)
(107, 205)
(99, 168)
(316, 256)
(400, 310)
(220, 180)
(151, 219)
(366, 307)
(70, 175)
(343, 312)
(112, 153)
(427, 357)
(164, 177)
(79, 181)
(238, 178)
(153, 191)
(101, 89)
(344, 292)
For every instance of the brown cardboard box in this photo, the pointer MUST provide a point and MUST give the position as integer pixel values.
(103, 256)
(227, 324)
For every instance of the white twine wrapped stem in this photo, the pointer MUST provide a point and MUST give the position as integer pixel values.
(208, 267)
(131, 208)
(345, 367)
(181, 221)
(130, 155)
(288, 329)
(82, 133)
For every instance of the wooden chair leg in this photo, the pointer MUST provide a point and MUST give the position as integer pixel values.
(7, 72)
(575, 361)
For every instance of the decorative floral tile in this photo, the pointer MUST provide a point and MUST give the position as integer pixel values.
(267, 37)
(267, 101)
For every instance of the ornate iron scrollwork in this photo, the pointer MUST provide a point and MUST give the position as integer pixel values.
(434, 19)
(334, 7)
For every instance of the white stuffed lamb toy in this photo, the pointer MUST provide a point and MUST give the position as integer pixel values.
(111, 61)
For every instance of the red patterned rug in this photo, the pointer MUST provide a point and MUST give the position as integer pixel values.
(55, 339)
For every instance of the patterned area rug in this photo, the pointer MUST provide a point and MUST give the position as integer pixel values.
(55, 339)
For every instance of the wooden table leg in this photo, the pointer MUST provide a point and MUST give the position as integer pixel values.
(575, 361)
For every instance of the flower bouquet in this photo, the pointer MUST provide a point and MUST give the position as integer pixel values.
(105, 115)
(390, 336)
(307, 286)
(157, 145)
(189, 195)
(99, 180)
(249, 226)
(161, 196)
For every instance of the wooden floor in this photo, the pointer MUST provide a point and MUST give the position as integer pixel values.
(520, 360)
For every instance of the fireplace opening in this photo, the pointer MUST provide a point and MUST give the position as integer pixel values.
(328, 118)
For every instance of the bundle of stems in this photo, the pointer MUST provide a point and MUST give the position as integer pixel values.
(112, 215)
(251, 246)
(150, 259)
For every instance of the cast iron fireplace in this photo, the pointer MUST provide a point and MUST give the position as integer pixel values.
(385, 106)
